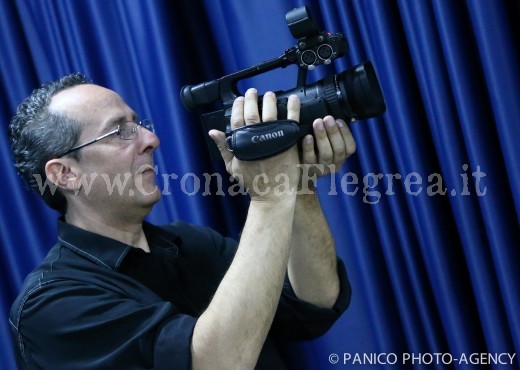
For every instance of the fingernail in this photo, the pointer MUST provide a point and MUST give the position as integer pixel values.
(251, 91)
(319, 125)
(340, 122)
(329, 122)
(294, 99)
(308, 139)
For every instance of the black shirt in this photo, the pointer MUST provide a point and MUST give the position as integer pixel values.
(96, 303)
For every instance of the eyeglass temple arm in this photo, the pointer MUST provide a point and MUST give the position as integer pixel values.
(91, 142)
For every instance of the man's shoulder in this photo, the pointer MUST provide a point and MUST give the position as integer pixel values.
(60, 272)
(35, 280)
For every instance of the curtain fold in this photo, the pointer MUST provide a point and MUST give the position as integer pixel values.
(425, 214)
(430, 69)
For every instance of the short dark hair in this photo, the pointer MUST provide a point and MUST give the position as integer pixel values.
(37, 135)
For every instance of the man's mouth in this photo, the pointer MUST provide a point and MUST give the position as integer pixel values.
(146, 168)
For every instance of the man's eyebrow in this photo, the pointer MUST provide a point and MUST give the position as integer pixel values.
(121, 119)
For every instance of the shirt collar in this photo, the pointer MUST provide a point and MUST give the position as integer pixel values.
(109, 252)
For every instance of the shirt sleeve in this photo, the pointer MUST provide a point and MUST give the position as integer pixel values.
(294, 319)
(72, 325)
(299, 320)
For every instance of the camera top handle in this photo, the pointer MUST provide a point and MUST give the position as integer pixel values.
(225, 88)
(313, 48)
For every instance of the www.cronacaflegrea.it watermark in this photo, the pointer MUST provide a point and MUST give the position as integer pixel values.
(371, 186)
(374, 185)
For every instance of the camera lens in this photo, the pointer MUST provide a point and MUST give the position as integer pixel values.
(361, 93)
(325, 52)
(308, 57)
(352, 94)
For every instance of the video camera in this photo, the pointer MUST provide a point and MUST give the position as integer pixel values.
(350, 95)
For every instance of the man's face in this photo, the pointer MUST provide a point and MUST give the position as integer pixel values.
(117, 175)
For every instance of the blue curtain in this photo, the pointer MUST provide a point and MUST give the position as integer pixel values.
(431, 237)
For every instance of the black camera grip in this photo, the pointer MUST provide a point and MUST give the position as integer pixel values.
(263, 140)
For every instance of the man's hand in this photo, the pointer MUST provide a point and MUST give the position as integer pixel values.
(260, 175)
(334, 142)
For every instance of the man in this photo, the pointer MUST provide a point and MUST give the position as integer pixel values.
(116, 292)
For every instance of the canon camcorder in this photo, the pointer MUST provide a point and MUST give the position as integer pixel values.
(350, 95)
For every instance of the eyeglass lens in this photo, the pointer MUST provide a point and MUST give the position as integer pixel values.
(128, 130)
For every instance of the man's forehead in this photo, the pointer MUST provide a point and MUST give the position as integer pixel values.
(86, 98)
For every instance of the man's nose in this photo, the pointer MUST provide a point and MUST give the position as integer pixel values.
(149, 141)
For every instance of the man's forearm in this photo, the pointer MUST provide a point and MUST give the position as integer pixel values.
(231, 332)
(312, 263)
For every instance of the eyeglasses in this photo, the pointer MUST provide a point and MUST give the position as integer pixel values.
(125, 130)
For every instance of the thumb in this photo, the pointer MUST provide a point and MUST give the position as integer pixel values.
(220, 140)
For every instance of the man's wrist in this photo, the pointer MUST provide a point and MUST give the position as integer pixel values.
(274, 198)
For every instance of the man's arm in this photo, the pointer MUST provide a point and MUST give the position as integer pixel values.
(231, 332)
(312, 262)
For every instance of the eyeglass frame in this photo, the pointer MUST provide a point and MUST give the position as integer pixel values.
(144, 123)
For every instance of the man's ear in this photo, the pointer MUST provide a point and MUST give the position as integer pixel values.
(60, 172)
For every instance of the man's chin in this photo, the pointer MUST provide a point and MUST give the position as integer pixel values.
(145, 185)
(148, 196)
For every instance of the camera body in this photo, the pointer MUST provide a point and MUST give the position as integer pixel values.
(349, 95)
